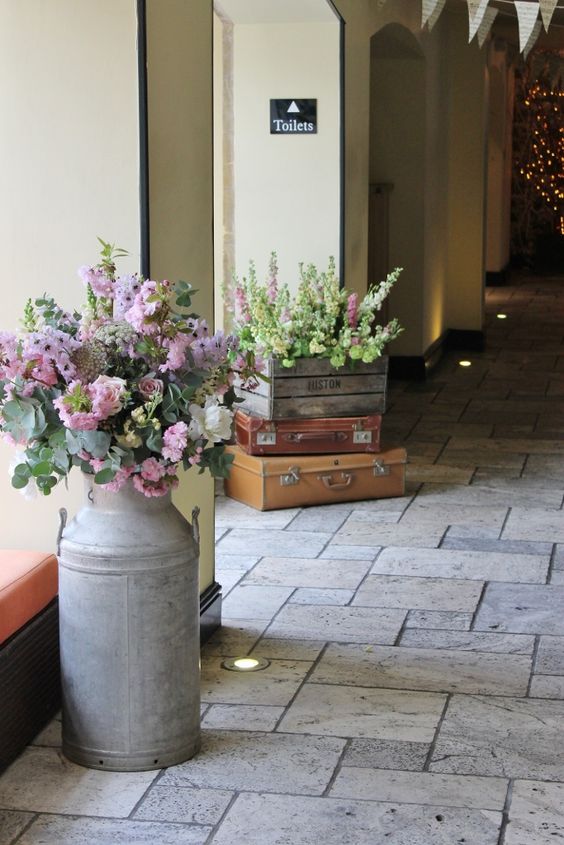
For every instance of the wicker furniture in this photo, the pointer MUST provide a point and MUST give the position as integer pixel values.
(29, 648)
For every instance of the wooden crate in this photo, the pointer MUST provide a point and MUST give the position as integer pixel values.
(313, 388)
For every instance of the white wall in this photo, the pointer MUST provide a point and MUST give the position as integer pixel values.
(68, 172)
(286, 186)
(500, 127)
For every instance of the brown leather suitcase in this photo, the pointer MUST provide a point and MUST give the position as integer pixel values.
(294, 436)
(268, 483)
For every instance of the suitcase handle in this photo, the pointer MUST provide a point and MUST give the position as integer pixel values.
(299, 436)
(337, 485)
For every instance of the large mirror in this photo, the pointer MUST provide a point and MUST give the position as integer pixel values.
(277, 139)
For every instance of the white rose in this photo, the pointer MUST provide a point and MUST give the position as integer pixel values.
(213, 422)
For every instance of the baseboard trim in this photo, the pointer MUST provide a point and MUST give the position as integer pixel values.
(416, 367)
(210, 611)
(497, 278)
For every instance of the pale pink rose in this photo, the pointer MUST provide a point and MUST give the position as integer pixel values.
(149, 386)
(107, 395)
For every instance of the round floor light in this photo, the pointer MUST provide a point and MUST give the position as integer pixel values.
(245, 664)
(501, 316)
(465, 363)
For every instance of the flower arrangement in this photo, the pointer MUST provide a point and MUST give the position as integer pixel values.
(323, 320)
(134, 386)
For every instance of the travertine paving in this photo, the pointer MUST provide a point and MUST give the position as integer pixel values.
(415, 692)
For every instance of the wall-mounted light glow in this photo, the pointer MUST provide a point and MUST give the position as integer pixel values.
(501, 316)
(465, 363)
(245, 664)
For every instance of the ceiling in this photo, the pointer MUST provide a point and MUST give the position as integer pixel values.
(276, 11)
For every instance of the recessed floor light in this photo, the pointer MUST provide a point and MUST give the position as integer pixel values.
(245, 664)
(501, 316)
(465, 363)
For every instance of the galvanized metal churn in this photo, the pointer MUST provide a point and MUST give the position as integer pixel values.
(129, 630)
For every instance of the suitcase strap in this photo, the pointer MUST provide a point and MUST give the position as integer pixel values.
(300, 436)
(292, 477)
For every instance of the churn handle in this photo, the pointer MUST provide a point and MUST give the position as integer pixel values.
(196, 525)
(63, 521)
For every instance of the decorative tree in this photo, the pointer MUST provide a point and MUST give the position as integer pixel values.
(538, 162)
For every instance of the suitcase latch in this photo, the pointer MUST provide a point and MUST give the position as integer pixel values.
(380, 468)
(292, 477)
(266, 438)
(362, 436)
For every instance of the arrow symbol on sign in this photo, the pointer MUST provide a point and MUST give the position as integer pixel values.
(293, 107)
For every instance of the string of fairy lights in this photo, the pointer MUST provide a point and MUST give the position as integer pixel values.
(544, 168)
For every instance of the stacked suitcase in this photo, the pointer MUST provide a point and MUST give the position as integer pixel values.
(300, 459)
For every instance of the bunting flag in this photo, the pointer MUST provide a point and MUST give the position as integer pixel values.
(475, 15)
(527, 14)
(532, 38)
(486, 25)
(547, 8)
(428, 7)
(473, 6)
(435, 15)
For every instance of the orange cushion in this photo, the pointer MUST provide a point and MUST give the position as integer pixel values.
(28, 582)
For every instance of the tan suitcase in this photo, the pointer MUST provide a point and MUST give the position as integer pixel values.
(268, 483)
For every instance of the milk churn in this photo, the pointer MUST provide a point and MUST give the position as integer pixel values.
(129, 630)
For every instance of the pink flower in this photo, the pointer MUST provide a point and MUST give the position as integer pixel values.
(149, 386)
(152, 470)
(175, 441)
(160, 488)
(108, 394)
(176, 357)
(101, 284)
(352, 310)
(120, 478)
(77, 420)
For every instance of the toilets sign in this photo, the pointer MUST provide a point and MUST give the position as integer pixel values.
(293, 117)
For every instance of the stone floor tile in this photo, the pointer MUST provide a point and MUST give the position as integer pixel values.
(384, 534)
(547, 686)
(275, 649)
(508, 547)
(476, 516)
(483, 641)
(535, 524)
(223, 562)
(307, 595)
(57, 830)
(536, 813)
(341, 624)
(242, 717)
(219, 533)
(12, 824)
(499, 494)
(41, 780)
(368, 507)
(308, 572)
(481, 566)
(482, 532)
(276, 684)
(557, 578)
(436, 670)
(232, 514)
(507, 737)
(259, 762)
(439, 620)
(287, 543)
(418, 593)
(301, 821)
(475, 457)
(343, 552)
(550, 656)
(182, 804)
(328, 518)
(420, 788)
(522, 609)
(386, 754)
(330, 710)
(234, 638)
(229, 579)
(247, 601)
(439, 473)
